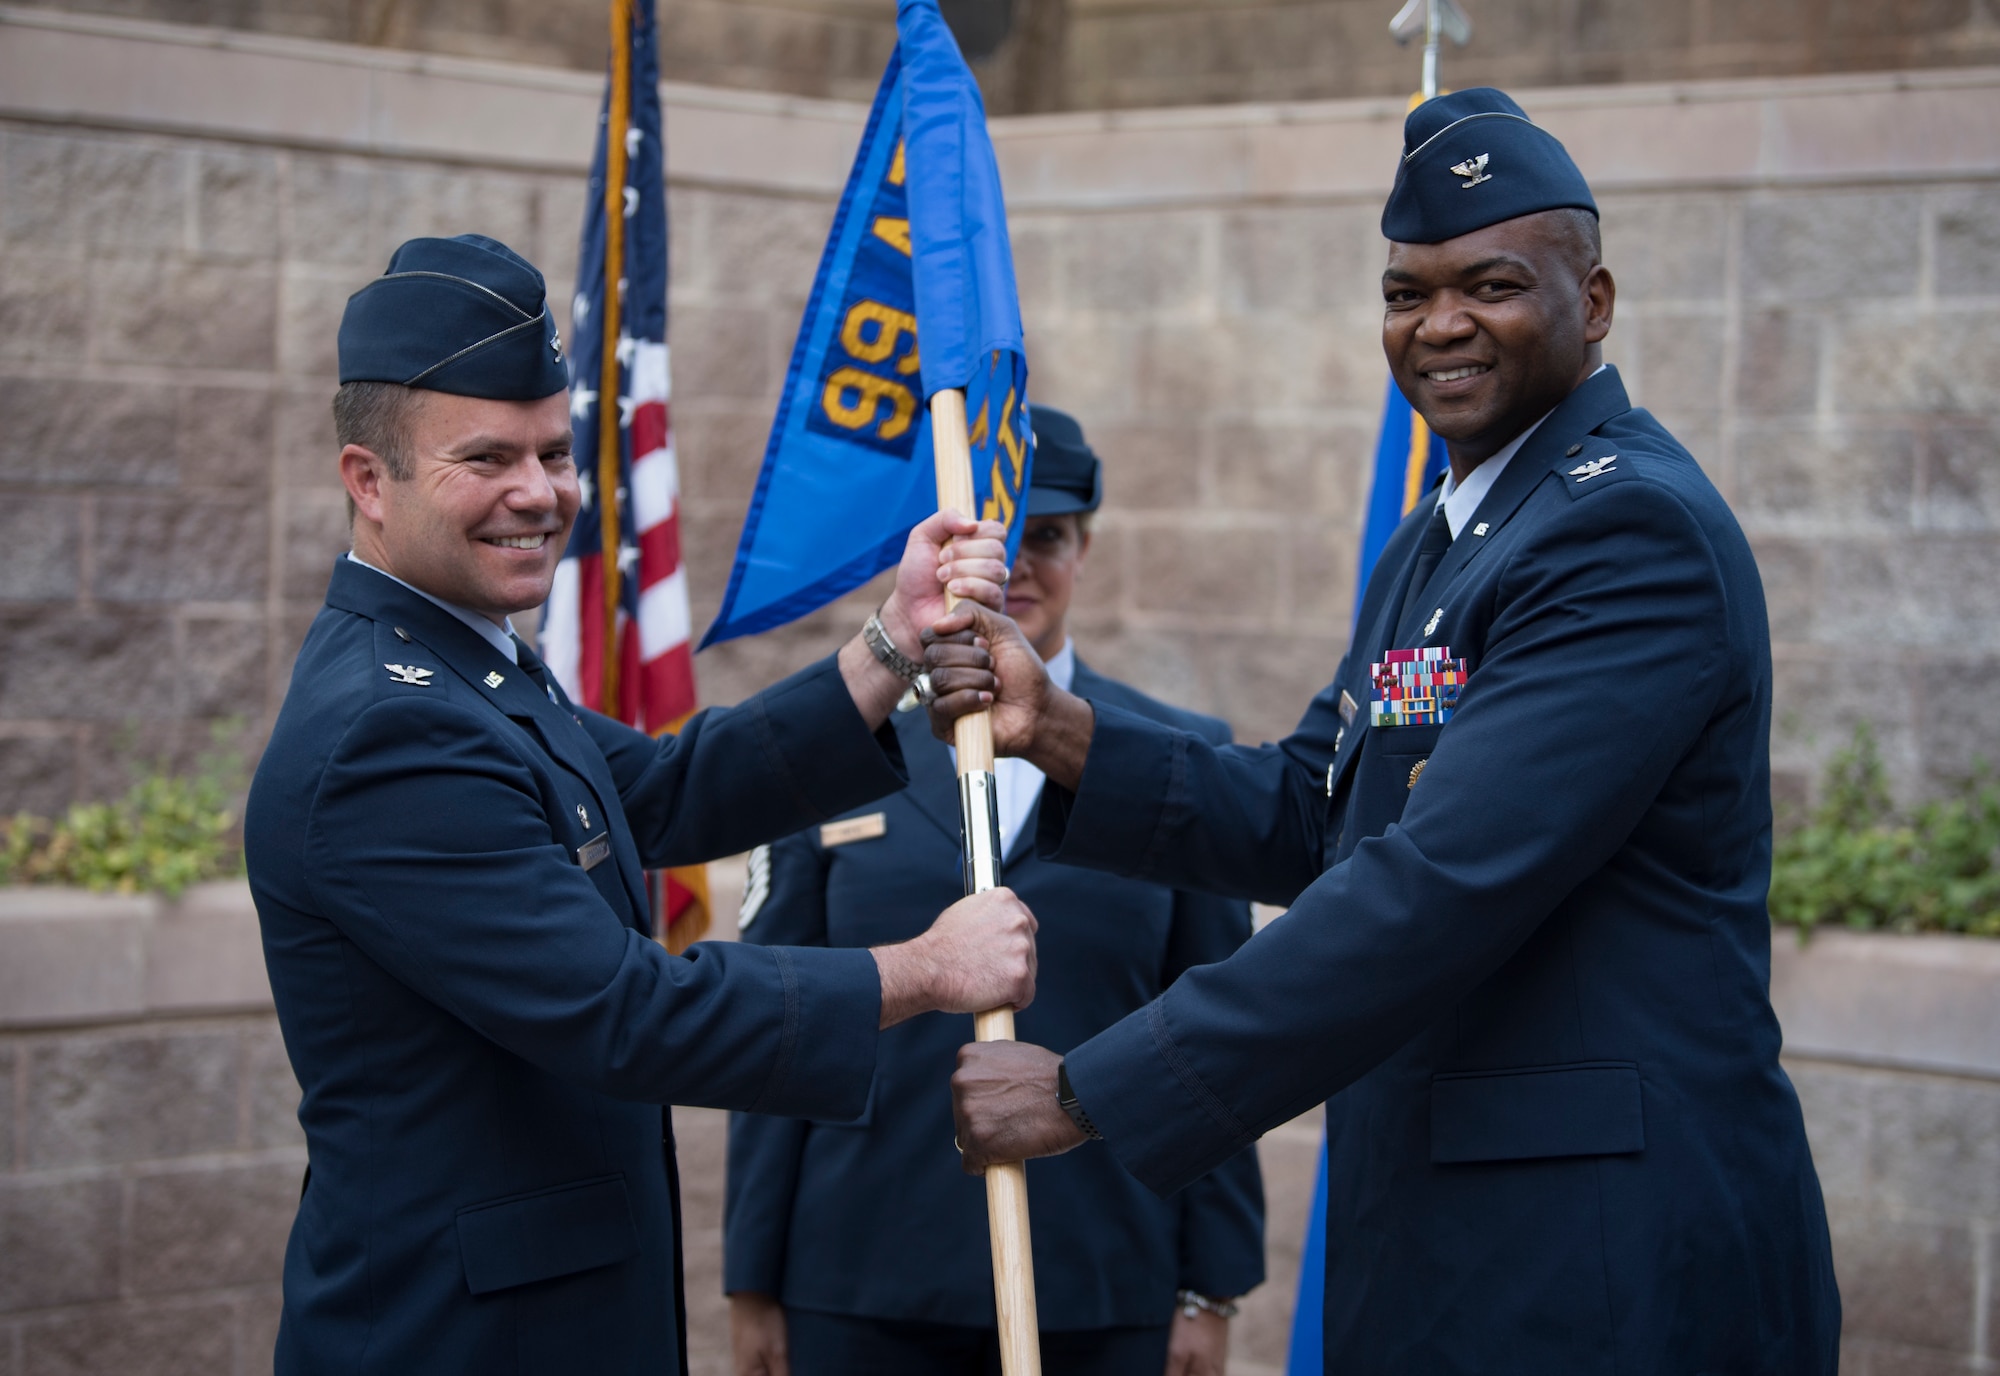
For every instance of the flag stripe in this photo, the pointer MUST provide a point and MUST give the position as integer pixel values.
(630, 510)
(659, 560)
(655, 484)
(663, 616)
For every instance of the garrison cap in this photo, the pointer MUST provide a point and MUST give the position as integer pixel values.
(1472, 159)
(1068, 475)
(466, 315)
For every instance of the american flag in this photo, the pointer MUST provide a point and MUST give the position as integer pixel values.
(615, 631)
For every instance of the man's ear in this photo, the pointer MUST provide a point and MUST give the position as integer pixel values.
(1600, 295)
(362, 473)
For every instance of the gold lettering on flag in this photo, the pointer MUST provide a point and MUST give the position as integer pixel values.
(870, 390)
(893, 231)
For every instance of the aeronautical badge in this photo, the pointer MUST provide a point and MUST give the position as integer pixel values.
(1473, 170)
(1594, 468)
(410, 674)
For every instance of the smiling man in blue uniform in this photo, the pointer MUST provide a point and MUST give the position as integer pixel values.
(1525, 838)
(447, 857)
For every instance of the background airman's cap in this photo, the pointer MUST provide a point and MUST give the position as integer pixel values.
(1472, 159)
(1067, 475)
(465, 315)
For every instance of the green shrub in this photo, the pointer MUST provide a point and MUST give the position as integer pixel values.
(1855, 861)
(167, 832)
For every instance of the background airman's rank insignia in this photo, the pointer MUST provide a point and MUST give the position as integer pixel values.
(756, 887)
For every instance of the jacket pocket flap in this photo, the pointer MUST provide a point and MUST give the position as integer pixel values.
(1588, 1109)
(1405, 740)
(552, 1232)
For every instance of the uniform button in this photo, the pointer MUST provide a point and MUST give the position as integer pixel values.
(402, 635)
(1417, 769)
(1573, 451)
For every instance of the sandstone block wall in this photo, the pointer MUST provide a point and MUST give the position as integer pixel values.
(1125, 54)
(1808, 296)
(150, 1153)
(1889, 1041)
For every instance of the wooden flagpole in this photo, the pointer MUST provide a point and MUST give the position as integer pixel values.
(1006, 1184)
(612, 311)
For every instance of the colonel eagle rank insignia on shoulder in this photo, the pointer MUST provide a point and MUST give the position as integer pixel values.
(1591, 465)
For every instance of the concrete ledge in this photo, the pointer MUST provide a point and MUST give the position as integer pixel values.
(174, 78)
(67, 956)
(1875, 998)
(171, 78)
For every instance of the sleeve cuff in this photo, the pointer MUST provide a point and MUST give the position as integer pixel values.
(1112, 821)
(1160, 1120)
(833, 1006)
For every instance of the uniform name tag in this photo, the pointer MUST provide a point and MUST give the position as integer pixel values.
(592, 852)
(854, 829)
(1349, 708)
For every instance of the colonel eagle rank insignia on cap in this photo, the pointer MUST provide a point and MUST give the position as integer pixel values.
(1472, 159)
(466, 315)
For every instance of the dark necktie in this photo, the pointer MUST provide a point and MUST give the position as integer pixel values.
(531, 665)
(1437, 539)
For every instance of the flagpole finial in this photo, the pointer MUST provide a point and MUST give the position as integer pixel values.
(1435, 20)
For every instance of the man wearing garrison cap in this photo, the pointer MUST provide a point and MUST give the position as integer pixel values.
(1524, 836)
(447, 857)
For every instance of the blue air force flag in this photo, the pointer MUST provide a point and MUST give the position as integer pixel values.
(918, 251)
(1407, 465)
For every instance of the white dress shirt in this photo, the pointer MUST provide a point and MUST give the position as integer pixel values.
(1460, 500)
(500, 638)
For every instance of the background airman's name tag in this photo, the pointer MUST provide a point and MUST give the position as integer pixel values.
(591, 853)
(854, 829)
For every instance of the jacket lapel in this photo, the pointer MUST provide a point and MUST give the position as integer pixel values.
(1599, 399)
(933, 786)
(366, 592)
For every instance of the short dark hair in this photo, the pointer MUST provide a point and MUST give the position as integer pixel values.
(375, 415)
(1585, 233)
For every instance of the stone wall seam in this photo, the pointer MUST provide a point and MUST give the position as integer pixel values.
(1911, 1065)
(1983, 1236)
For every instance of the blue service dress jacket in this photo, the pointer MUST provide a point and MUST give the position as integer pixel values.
(871, 1216)
(447, 869)
(1532, 974)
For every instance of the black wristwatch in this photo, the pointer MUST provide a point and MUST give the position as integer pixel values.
(1066, 1097)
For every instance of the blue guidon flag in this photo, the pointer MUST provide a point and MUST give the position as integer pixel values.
(918, 251)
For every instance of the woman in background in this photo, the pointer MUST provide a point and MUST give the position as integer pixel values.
(860, 1248)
